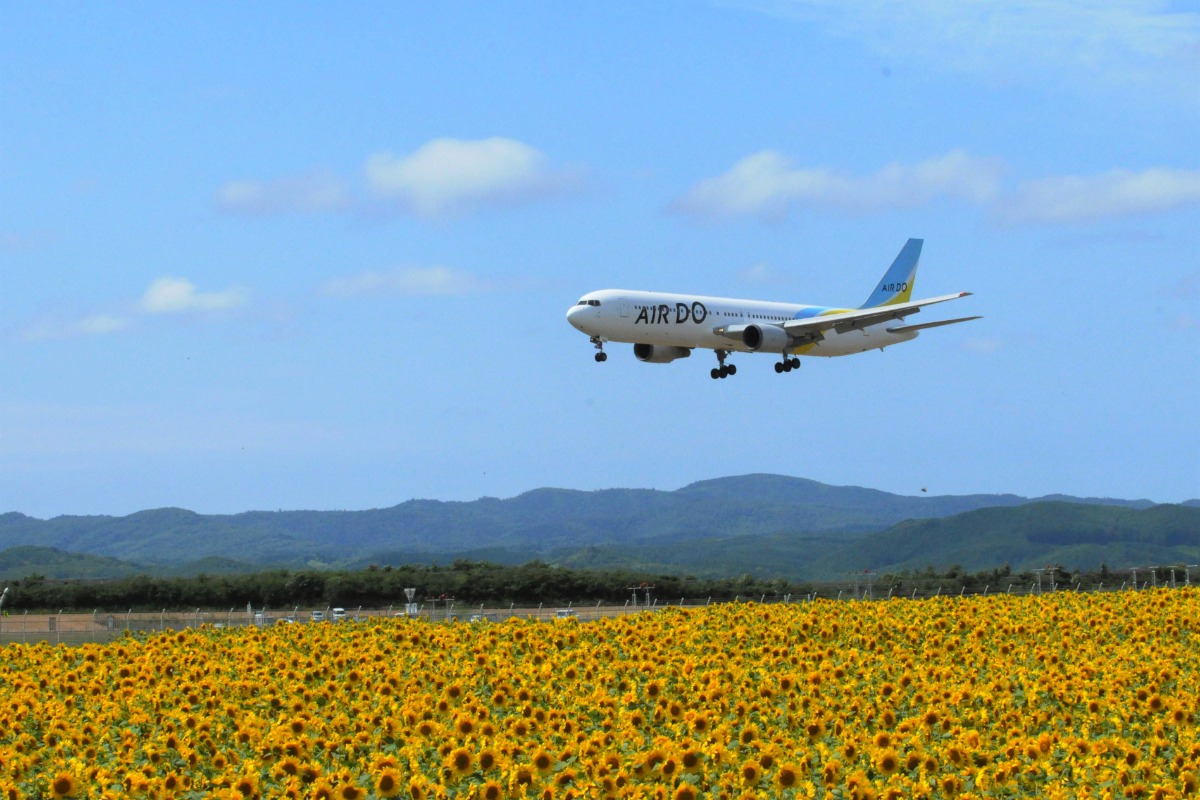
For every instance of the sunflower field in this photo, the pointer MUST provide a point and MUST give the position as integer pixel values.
(1062, 695)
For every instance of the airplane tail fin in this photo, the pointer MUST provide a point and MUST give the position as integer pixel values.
(897, 283)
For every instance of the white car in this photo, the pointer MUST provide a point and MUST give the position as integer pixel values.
(318, 616)
(339, 615)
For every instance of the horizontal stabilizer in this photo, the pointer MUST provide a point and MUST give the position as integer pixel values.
(938, 324)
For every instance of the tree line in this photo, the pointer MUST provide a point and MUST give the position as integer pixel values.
(474, 582)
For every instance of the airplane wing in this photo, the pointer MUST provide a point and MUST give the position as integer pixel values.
(814, 328)
(938, 324)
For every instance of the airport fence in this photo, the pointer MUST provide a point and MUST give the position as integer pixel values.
(105, 626)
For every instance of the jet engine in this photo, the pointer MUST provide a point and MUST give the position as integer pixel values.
(771, 338)
(659, 354)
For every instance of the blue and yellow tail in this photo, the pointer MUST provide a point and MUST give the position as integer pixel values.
(897, 283)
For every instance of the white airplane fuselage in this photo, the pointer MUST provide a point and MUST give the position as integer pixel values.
(683, 320)
(664, 326)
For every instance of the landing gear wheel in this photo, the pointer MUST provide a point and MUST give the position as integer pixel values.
(598, 343)
(795, 363)
(732, 369)
(723, 371)
(716, 373)
(779, 366)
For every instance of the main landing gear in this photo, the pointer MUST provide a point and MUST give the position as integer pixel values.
(787, 365)
(724, 370)
(599, 343)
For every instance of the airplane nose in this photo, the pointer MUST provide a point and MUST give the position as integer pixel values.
(575, 315)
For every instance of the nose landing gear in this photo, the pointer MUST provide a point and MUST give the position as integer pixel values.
(724, 369)
(599, 343)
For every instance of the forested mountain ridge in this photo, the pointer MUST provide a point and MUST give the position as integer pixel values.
(1027, 537)
(726, 521)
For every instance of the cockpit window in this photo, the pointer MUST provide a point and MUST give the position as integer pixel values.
(582, 303)
(595, 303)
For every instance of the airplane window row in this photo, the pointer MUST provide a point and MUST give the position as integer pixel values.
(752, 316)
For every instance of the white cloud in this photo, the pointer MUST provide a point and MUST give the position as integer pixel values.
(102, 323)
(762, 273)
(1107, 42)
(164, 296)
(178, 295)
(446, 177)
(310, 193)
(1119, 193)
(442, 178)
(769, 185)
(406, 281)
(25, 241)
(1182, 293)
(1186, 289)
(91, 325)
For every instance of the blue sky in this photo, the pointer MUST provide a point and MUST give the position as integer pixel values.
(319, 255)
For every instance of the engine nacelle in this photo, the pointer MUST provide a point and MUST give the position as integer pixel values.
(659, 354)
(771, 338)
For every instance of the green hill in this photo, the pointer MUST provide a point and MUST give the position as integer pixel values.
(1024, 537)
(20, 562)
(1029, 537)
(762, 525)
(50, 562)
(535, 524)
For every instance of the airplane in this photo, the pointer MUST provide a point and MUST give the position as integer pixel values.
(663, 327)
